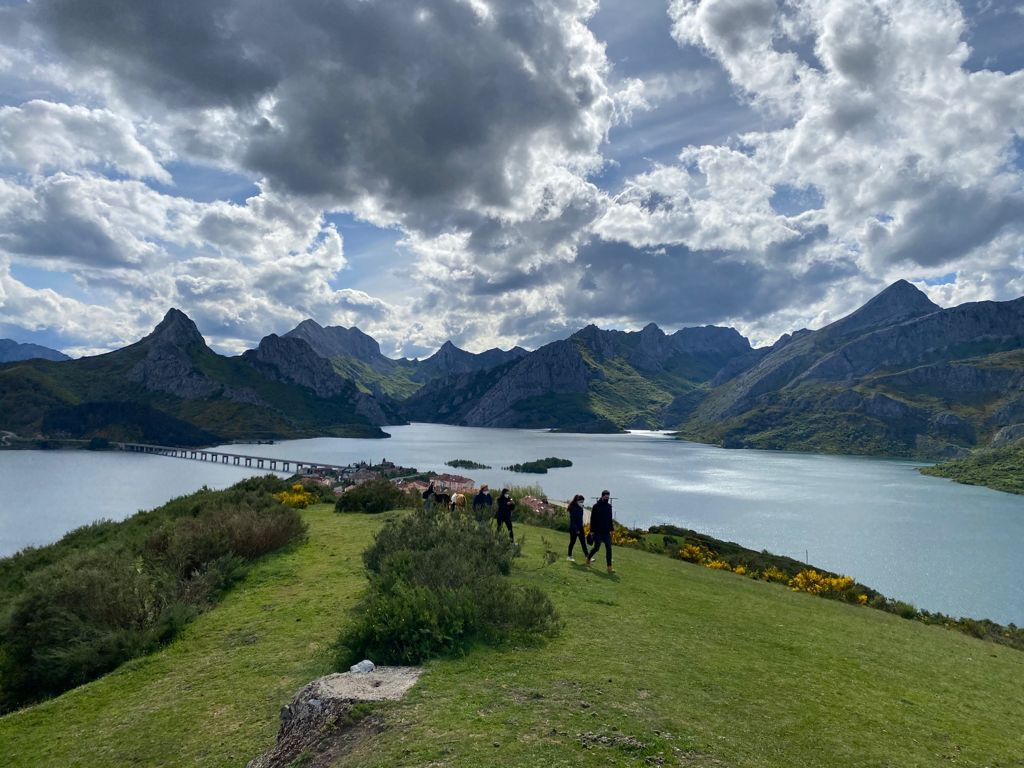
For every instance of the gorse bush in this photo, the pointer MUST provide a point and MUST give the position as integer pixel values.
(437, 586)
(114, 591)
(374, 496)
(297, 496)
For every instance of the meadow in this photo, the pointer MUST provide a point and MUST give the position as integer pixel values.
(663, 663)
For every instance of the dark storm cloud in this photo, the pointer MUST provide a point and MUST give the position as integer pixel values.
(944, 223)
(425, 108)
(187, 53)
(674, 286)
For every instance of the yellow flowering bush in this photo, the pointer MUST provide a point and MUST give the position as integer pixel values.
(718, 565)
(814, 583)
(862, 599)
(296, 496)
(740, 569)
(771, 573)
(622, 538)
(696, 553)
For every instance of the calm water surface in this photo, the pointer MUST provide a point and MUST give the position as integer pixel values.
(941, 546)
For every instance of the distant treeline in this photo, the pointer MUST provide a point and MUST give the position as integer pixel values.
(540, 466)
(108, 592)
(465, 464)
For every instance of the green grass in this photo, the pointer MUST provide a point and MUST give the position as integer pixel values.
(212, 697)
(707, 668)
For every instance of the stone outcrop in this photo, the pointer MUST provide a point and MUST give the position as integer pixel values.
(319, 723)
(293, 360)
(167, 365)
(338, 341)
(449, 360)
(557, 368)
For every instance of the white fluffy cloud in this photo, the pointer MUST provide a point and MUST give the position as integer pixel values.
(479, 131)
(909, 154)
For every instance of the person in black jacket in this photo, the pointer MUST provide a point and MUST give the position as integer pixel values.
(576, 527)
(483, 504)
(601, 528)
(504, 514)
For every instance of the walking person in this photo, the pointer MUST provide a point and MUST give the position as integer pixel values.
(601, 529)
(576, 527)
(504, 514)
(483, 504)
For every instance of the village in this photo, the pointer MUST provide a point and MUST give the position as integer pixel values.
(410, 479)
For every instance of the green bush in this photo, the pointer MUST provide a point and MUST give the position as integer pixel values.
(373, 496)
(113, 591)
(437, 586)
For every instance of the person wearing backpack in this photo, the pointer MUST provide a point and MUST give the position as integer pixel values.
(576, 527)
(601, 529)
(504, 514)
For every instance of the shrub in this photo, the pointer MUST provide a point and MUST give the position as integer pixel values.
(437, 587)
(815, 583)
(113, 591)
(373, 496)
(771, 573)
(696, 553)
(297, 496)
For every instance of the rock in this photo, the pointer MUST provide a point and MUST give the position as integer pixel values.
(292, 360)
(1007, 435)
(319, 716)
(336, 341)
(362, 667)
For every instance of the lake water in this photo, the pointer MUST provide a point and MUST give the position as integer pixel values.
(941, 546)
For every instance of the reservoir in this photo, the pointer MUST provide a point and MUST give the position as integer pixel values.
(928, 541)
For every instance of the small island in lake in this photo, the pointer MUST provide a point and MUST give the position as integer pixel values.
(465, 464)
(540, 466)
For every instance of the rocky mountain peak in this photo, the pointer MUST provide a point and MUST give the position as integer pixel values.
(336, 341)
(178, 330)
(900, 301)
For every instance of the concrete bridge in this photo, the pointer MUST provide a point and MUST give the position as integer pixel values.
(233, 459)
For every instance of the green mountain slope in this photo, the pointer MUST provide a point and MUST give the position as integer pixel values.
(898, 377)
(170, 385)
(665, 664)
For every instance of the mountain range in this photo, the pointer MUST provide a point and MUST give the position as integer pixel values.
(900, 376)
(11, 351)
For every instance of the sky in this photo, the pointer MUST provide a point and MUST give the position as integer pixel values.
(500, 173)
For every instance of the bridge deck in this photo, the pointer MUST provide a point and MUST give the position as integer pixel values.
(235, 459)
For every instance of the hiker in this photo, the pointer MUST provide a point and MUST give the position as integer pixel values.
(504, 513)
(483, 504)
(601, 529)
(428, 497)
(576, 527)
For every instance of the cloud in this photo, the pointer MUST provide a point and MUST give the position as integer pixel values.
(404, 117)
(41, 136)
(865, 147)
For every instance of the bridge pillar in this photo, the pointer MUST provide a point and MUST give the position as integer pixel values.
(285, 465)
(248, 461)
(238, 461)
(273, 464)
(259, 463)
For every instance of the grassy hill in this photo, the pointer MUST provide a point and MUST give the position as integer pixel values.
(665, 663)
